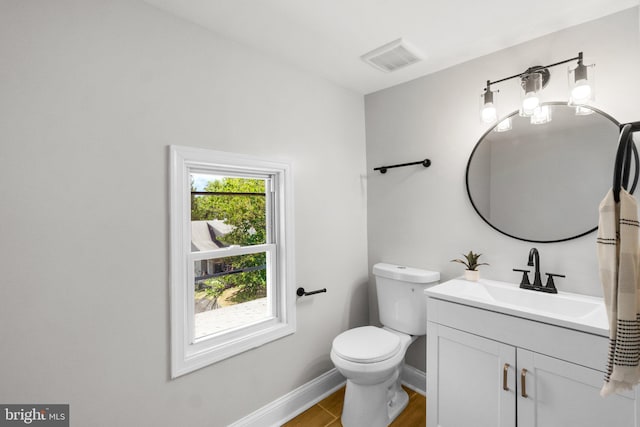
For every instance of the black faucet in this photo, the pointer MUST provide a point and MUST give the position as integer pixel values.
(534, 260)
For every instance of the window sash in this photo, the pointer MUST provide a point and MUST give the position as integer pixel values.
(272, 292)
(270, 182)
(230, 251)
(271, 205)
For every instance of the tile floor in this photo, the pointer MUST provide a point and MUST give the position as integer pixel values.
(327, 412)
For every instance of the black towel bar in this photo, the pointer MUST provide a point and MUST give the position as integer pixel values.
(383, 169)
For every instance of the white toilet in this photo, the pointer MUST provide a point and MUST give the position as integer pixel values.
(371, 358)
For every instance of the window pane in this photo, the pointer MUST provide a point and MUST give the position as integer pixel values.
(227, 211)
(230, 292)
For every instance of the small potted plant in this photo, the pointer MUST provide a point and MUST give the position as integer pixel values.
(471, 273)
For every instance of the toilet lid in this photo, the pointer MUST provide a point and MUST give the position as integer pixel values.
(367, 344)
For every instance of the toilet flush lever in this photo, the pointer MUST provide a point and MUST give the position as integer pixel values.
(301, 292)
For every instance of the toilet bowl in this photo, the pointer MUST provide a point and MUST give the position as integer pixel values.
(371, 358)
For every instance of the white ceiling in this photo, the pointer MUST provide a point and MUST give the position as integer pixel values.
(327, 37)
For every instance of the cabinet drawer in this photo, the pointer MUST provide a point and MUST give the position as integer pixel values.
(566, 344)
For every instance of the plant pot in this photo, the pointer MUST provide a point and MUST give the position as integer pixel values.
(472, 275)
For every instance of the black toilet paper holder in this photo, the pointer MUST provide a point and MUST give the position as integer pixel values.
(301, 292)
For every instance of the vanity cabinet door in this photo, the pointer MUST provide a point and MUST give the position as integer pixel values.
(563, 394)
(471, 380)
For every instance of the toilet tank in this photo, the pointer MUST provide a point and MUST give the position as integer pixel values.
(401, 301)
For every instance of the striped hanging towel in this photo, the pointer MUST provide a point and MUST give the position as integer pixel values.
(619, 266)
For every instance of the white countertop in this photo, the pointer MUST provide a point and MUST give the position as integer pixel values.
(580, 312)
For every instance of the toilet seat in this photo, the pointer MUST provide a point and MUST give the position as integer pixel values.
(367, 344)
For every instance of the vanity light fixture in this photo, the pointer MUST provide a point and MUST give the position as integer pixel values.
(532, 81)
(488, 112)
(581, 85)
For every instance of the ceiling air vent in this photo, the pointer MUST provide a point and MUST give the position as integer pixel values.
(392, 56)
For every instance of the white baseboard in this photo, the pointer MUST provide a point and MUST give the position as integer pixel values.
(415, 379)
(295, 402)
(299, 400)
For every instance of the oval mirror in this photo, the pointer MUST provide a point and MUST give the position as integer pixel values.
(544, 182)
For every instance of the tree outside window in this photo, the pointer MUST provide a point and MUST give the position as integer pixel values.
(239, 206)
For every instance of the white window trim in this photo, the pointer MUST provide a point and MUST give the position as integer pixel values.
(187, 354)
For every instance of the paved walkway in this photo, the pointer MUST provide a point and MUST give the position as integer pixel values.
(233, 316)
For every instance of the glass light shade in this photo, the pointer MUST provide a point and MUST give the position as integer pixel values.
(581, 92)
(541, 115)
(581, 84)
(581, 110)
(488, 111)
(531, 85)
(529, 103)
(504, 125)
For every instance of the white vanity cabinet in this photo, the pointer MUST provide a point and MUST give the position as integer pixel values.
(466, 388)
(563, 394)
(490, 369)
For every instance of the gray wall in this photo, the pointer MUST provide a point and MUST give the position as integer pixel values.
(546, 179)
(92, 93)
(422, 217)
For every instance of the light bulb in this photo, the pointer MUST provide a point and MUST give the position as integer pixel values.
(581, 92)
(489, 113)
(530, 103)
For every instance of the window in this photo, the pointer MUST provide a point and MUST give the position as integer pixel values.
(232, 286)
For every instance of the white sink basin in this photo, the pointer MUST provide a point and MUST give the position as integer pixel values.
(565, 309)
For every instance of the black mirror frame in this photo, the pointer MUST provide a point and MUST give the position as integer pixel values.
(511, 235)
